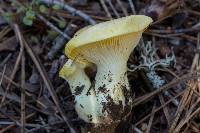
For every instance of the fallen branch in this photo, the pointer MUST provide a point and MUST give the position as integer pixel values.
(70, 9)
(52, 26)
(58, 43)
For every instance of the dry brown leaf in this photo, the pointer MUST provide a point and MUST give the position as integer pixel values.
(9, 44)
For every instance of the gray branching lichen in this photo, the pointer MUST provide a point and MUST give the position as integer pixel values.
(156, 80)
(149, 62)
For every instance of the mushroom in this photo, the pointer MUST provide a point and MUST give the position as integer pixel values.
(80, 85)
(108, 45)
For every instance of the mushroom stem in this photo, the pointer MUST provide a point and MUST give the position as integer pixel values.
(112, 72)
(79, 82)
(112, 90)
(100, 103)
(112, 77)
(86, 103)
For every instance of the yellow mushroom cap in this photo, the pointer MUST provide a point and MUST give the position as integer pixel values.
(91, 35)
(70, 67)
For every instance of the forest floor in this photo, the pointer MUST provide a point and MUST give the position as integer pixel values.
(33, 98)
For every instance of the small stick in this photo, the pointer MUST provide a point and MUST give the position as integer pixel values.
(105, 8)
(2, 76)
(175, 81)
(15, 66)
(189, 94)
(53, 27)
(43, 123)
(11, 118)
(122, 7)
(19, 37)
(132, 6)
(179, 110)
(7, 128)
(137, 130)
(23, 102)
(14, 122)
(188, 117)
(48, 84)
(70, 9)
(195, 28)
(9, 80)
(159, 108)
(58, 43)
(6, 59)
(151, 119)
(5, 30)
(113, 8)
(165, 110)
(51, 73)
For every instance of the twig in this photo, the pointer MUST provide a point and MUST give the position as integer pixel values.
(9, 80)
(169, 95)
(48, 83)
(189, 76)
(16, 99)
(159, 108)
(10, 96)
(15, 67)
(196, 57)
(5, 30)
(70, 9)
(2, 76)
(188, 96)
(43, 123)
(132, 6)
(58, 43)
(137, 130)
(52, 26)
(52, 72)
(19, 37)
(122, 7)
(113, 8)
(14, 122)
(44, 76)
(151, 118)
(187, 118)
(193, 12)
(23, 102)
(49, 125)
(7, 128)
(105, 8)
(195, 28)
(179, 110)
(165, 110)
(6, 59)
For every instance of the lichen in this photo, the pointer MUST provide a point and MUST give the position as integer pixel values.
(149, 62)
